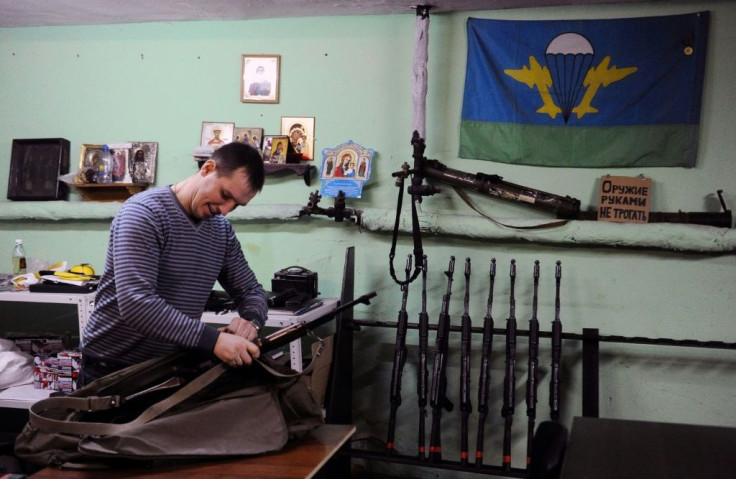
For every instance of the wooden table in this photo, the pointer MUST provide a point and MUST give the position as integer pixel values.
(622, 449)
(302, 458)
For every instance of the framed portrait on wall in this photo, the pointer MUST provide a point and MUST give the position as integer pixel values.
(300, 131)
(216, 134)
(252, 136)
(259, 78)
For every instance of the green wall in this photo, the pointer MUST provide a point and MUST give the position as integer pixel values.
(159, 81)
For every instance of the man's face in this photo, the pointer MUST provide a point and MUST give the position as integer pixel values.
(220, 194)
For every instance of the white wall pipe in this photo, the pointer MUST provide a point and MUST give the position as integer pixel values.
(667, 236)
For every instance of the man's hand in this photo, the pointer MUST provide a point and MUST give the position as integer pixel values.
(243, 328)
(235, 350)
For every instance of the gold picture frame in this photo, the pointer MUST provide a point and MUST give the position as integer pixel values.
(260, 76)
(300, 131)
(215, 134)
(275, 148)
(249, 135)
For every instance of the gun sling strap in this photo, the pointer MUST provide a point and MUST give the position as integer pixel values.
(466, 199)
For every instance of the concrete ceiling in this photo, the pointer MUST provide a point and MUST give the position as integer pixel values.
(26, 13)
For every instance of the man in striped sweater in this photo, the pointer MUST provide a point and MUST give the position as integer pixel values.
(167, 248)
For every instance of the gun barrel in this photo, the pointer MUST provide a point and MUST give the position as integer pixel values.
(509, 384)
(531, 384)
(438, 393)
(554, 383)
(465, 404)
(399, 361)
(286, 335)
(718, 219)
(493, 185)
(485, 371)
(423, 349)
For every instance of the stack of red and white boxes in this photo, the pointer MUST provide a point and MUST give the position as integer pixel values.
(58, 372)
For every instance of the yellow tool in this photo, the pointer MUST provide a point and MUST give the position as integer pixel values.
(80, 272)
(83, 269)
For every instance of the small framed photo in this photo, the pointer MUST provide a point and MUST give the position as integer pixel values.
(142, 162)
(259, 78)
(249, 135)
(300, 131)
(216, 134)
(275, 148)
(89, 160)
(90, 156)
(120, 158)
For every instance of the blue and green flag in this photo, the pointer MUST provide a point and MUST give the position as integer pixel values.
(585, 93)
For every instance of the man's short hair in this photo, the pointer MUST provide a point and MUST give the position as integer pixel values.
(236, 155)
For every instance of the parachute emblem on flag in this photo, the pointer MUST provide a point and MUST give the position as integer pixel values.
(569, 75)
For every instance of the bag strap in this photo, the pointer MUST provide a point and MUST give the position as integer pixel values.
(101, 403)
(306, 370)
(109, 402)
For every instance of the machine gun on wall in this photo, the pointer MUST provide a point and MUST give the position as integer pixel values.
(563, 207)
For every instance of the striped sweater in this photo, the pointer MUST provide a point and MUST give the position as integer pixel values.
(160, 269)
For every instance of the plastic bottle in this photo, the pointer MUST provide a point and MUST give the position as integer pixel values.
(19, 258)
(104, 168)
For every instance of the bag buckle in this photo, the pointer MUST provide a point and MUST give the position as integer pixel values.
(321, 347)
(97, 403)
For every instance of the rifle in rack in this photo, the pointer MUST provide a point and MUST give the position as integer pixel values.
(465, 405)
(399, 361)
(485, 370)
(554, 383)
(438, 394)
(531, 381)
(509, 380)
(423, 374)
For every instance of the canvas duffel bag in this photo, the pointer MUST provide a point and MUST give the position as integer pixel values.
(175, 407)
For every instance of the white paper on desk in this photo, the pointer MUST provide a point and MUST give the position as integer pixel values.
(25, 393)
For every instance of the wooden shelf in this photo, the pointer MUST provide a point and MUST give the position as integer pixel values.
(109, 192)
(299, 169)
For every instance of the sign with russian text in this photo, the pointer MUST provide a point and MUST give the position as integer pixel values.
(624, 199)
